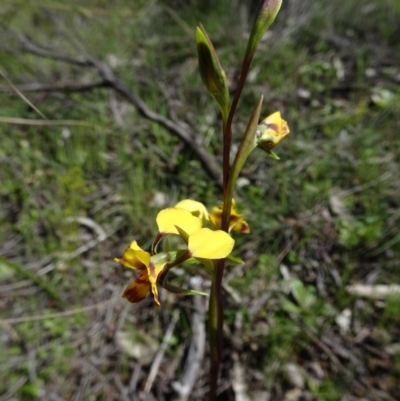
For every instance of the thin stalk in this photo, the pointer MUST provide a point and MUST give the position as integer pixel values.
(228, 125)
(215, 319)
(215, 307)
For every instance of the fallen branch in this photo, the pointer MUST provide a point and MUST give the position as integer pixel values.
(109, 79)
(155, 367)
(57, 87)
(374, 291)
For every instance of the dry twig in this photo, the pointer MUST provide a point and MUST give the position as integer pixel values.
(374, 291)
(109, 79)
(160, 354)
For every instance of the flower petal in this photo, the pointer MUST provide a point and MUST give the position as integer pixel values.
(167, 219)
(194, 207)
(216, 217)
(236, 221)
(153, 271)
(138, 290)
(134, 257)
(208, 244)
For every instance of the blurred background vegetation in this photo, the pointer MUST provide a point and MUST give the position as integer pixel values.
(78, 186)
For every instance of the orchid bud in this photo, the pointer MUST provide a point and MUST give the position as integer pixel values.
(211, 72)
(265, 17)
(270, 132)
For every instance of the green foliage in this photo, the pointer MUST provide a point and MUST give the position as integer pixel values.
(307, 303)
(353, 233)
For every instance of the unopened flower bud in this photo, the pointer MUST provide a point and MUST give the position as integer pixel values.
(265, 17)
(270, 132)
(211, 72)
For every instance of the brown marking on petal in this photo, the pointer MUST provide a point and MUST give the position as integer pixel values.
(137, 291)
(140, 280)
(134, 296)
(216, 220)
(272, 126)
(243, 227)
(152, 270)
(235, 218)
(238, 224)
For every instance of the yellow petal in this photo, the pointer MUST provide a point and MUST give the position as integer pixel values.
(134, 257)
(138, 290)
(167, 219)
(208, 244)
(194, 207)
(216, 217)
(153, 271)
(236, 221)
(239, 225)
(274, 118)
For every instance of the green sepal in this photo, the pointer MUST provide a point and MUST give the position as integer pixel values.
(176, 255)
(161, 257)
(269, 152)
(166, 245)
(273, 155)
(178, 290)
(207, 263)
(168, 257)
(183, 234)
(234, 260)
(181, 291)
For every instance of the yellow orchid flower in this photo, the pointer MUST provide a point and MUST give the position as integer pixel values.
(236, 221)
(149, 267)
(202, 242)
(270, 132)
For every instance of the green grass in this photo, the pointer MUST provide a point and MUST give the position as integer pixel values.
(325, 216)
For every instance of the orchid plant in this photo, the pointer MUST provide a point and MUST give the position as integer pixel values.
(206, 237)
